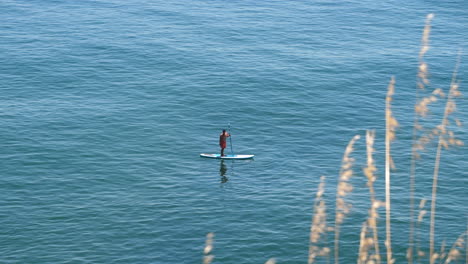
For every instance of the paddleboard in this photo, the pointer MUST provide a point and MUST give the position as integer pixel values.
(218, 156)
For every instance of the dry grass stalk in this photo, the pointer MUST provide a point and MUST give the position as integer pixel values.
(208, 257)
(455, 251)
(446, 137)
(343, 188)
(441, 255)
(363, 245)
(422, 104)
(421, 109)
(318, 227)
(390, 126)
(369, 243)
(423, 68)
(421, 214)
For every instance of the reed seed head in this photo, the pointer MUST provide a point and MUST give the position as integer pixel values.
(455, 251)
(344, 187)
(208, 258)
(318, 227)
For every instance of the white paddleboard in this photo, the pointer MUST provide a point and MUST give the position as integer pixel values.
(218, 156)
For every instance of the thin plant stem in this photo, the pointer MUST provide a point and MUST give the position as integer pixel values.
(208, 257)
(342, 208)
(369, 172)
(421, 214)
(422, 79)
(318, 227)
(449, 108)
(433, 202)
(454, 252)
(390, 124)
(363, 254)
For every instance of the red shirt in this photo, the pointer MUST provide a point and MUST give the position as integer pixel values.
(222, 140)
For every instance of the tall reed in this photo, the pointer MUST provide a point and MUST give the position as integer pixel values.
(342, 190)
(420, 110)
(454, 252)
(446, 138)
(369, 250)
(318, 227)
(390, 126)
(421, 214)
(366, 243)
(208, 257)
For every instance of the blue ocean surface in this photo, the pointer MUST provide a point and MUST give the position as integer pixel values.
(105, 107)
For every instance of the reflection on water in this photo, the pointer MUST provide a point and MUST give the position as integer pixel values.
(223, 168)
(222, 172)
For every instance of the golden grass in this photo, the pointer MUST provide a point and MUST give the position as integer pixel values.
(390, 126)
(421, 214)
(446, 138)
(421, 137)
(208, 257)
(344, 187)
(318, 227)
(369, 251)
(455, 251)
(369, 244)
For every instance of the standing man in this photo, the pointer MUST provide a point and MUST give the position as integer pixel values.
(222, 141)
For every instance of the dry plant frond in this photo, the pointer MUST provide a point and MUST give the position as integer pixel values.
(208, 257)
(443, 142)
(455, 251)
(421, 110)
(391, 122)
(363, 245)
(421, 214)
(343, 188)
(423, 68)
(438, 92)
(318, 228)
(442, 254)
(390, 127)
(422, 106)
(364, 256)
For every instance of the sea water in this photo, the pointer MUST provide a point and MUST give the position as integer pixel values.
(105, 107)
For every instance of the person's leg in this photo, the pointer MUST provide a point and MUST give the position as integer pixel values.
(222, 152)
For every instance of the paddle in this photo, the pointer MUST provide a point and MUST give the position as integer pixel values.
(230, 137)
